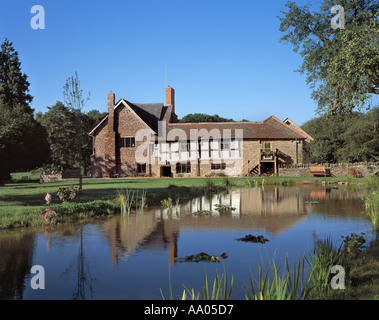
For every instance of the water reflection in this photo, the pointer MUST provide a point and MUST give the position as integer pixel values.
(273, 210)
(73, 249)
(16, 254)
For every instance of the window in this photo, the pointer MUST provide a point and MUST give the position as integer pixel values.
(128, 142)
(183, 168)
(141, 167)
(218, 166)
(225, 144)
(267, 145)
(184, 146)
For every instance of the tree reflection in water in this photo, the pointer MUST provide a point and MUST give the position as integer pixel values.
(81, 271)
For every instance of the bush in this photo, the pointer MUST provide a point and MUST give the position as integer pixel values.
(68, 193)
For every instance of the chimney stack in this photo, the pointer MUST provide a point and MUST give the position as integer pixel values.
(170, 97)
(111, 102)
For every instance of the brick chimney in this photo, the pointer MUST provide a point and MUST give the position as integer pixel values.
(111, 137)
(170, 98)
(111, 101)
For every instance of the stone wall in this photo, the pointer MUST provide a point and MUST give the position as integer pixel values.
(57, 175)
(359, 169)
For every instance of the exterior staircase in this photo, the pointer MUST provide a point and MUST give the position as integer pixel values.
(253, 165)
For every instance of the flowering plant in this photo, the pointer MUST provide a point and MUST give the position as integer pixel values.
(47, 214)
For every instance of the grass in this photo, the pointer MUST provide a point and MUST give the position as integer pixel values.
(372, 208)
(20, 201)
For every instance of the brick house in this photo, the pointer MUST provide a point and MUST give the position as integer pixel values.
(147, 140)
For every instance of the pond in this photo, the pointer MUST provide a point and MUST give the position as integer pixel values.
(138, 256)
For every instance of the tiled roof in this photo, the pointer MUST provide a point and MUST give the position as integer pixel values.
(271, 128)
(150, 113)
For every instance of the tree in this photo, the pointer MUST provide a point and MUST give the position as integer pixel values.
(23, 143)
(201, 117)
(14, 86)
(342, 66)
(73, 94)
(61, 124)
(74, 101)
(344, 138)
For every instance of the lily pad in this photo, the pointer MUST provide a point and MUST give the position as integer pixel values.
(251, 238)
(202, 257)
(223, 208)
(202, 213)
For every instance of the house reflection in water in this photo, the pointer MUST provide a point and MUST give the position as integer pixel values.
(272, 209)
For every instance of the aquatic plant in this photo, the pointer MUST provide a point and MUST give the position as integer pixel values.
(288, 286)
(167, 203)
(371, 202)
(210, 185)
(323, 256)
(125, 199)
(227, 183)
(224, 208)
(202, 213)
(221, 289)
(251, 238)
(354, 244)
(131, 199)
(202, 257)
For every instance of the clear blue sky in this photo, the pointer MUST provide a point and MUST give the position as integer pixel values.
(222, 57)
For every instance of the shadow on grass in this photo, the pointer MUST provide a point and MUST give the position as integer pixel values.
(154, 194)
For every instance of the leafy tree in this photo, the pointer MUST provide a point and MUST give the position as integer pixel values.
(22, 140)
(344, 138)
(61, 124)
(342, 66)
(201, 117)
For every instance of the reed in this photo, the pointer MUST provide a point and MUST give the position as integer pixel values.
(323, 256)
(131, 200)
(221, 289)
(287, 286)
(372, 208)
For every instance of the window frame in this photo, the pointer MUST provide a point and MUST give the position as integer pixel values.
(128, 142)
(181, 166)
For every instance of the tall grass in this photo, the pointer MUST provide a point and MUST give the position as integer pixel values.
(221, 290)
(323, 256)
(372, 208)
(130, 199)
(288, 286)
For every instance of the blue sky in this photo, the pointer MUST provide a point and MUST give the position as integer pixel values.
(222, 57)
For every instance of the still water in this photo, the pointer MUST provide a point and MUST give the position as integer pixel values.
(135, 257)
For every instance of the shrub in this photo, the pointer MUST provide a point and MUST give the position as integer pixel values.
(68, 193)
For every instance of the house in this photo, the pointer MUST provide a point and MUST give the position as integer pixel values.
(147, 140)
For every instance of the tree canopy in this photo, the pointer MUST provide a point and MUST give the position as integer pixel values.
(22, 139)
(344, 138)
(202, 117)
(341, 65)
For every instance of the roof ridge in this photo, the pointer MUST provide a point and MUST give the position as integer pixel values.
(224, 122)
